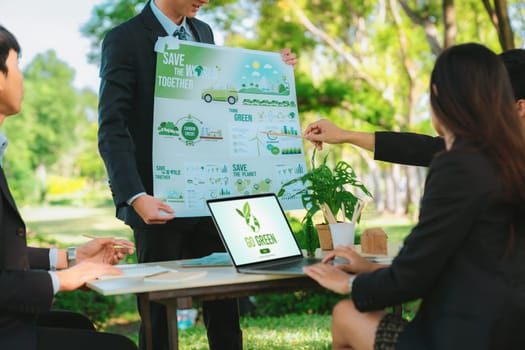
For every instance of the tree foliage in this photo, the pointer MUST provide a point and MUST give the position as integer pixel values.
(364, 64)
(48, 128)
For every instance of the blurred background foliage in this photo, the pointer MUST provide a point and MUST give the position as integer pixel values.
(364, 64)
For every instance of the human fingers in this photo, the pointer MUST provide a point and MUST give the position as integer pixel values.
(337, 252)
(345, 251)
(329, 257)
(329, 277)
(124, 246)
(78, 275)
(314, 271)
(165, 208)
(158, 219)
(289, 57)
(312, 128)
(153, 210)
(356, 263)
(291, 60)
(286, 51)
(116, 258)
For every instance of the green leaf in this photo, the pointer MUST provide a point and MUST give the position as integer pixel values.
(246, 210)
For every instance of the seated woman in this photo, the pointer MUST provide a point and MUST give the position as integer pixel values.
(465, 258)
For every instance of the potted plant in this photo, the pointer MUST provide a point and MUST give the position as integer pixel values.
(326, 190)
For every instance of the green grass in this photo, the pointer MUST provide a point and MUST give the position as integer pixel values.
(65, 225)
(310, 332)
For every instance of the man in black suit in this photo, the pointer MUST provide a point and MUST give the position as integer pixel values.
(30, 277)
(125, 142)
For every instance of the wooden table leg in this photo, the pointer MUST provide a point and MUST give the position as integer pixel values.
(146, 319)
(173, 329)
(171, 314)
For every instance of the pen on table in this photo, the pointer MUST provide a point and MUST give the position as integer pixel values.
(95, 237)
(281, 134)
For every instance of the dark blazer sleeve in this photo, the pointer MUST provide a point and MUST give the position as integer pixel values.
(407, 148)
(27, 292)
(38, 258)
(126, 96)
(117, 91)
(457, 187)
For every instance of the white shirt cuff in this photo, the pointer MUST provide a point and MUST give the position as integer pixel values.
(130, 201)
(55, 281)
(53, 257)
(351, 283)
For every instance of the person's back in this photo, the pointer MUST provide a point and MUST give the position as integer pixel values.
(466, 271)
(464, 258)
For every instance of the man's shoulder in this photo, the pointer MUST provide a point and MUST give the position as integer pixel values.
(127, 25)
(203, 29)
(139, 21)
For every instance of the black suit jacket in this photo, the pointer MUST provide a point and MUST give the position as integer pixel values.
(127, 75)
(25, 290)
(456, 260)
(407, 148)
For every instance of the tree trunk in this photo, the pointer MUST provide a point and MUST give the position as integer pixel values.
(431, 31)
(499, 17)
(449, 22)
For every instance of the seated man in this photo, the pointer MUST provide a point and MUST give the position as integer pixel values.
(28, 281)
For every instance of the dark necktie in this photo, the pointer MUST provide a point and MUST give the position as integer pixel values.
(181, 34)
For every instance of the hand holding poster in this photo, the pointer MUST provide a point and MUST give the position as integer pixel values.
(223, 118)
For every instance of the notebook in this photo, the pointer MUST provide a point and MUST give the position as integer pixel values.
(257, 235)
(136, 270)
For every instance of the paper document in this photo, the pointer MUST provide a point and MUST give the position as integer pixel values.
(175, 275)
(136, 270)
(214, 259)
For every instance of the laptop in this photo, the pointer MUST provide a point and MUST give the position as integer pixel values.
(257, 235)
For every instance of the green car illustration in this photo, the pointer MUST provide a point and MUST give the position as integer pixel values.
(229, 95)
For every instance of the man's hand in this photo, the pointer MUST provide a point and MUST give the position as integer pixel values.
(78, 275)
(153, 210)
(105, 250)
(289, 57)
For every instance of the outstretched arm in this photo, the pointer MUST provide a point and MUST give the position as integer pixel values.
(324, 131)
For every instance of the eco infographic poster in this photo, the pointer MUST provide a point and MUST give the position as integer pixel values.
(225, 124)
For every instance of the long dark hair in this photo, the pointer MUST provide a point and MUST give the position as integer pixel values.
(471, 95)
(7, 43)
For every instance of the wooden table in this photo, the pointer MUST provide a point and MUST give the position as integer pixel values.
(218, 283)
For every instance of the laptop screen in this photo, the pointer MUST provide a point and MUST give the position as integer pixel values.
(254, 228)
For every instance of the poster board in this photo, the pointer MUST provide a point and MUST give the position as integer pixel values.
(219, 118)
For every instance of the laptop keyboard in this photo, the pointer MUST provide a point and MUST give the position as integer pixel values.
(294, 263)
